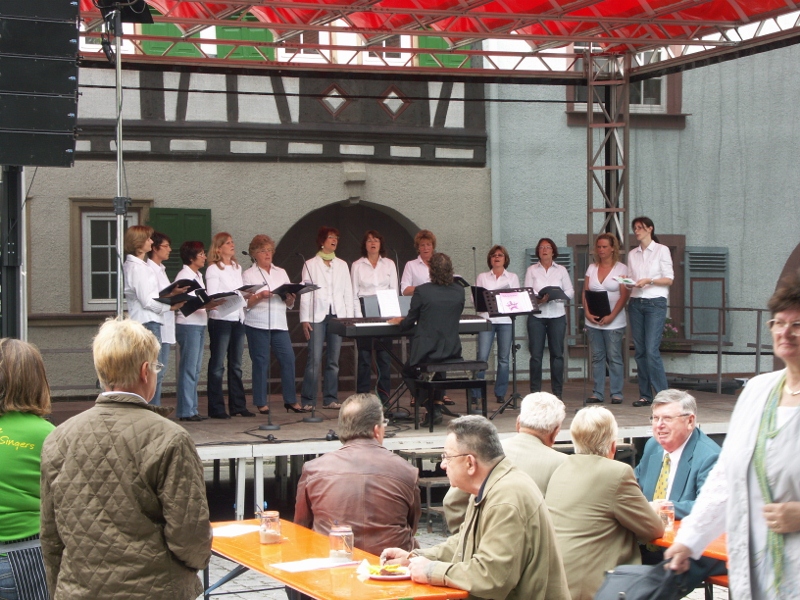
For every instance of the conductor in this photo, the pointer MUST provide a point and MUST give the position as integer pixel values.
(435, 310)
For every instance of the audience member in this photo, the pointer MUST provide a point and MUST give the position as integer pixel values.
(531, 450)
(24, 401)
(362, 484)
(124, 511)
(506, 548)
(597, 507)
(674, 466)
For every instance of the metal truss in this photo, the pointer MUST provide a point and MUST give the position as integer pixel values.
(485, 38)
(607, 144)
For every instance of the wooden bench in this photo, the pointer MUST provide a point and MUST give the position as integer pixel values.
(720, 580)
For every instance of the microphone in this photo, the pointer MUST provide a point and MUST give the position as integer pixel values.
(397, 268)
(313, 418)
(474, 265)
(311, 279)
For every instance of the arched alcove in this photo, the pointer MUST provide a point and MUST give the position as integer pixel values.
(792, 265)
(352, 220)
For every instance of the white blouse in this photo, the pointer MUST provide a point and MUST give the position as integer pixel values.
(367, 280)
(490, 282)
(168, 326)
(537, 277)
(611, 286)
(415, 273)
(653, 262)
(225, 279)
(141, 287)
(198, 317)
(266, 313)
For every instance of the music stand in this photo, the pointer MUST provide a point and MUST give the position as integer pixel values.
(490, 298)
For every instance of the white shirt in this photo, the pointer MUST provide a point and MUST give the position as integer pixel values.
(168, 326)
(336, 295)
(198, 317)
(653, 262)
(537, 277)
(367, 280)
(225, 279)
(490, 282)
(415, 273)
(611, 287)
(141, 286)
(266, 313)
(674, 459)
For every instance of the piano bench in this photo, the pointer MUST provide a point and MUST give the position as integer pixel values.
(428, 370)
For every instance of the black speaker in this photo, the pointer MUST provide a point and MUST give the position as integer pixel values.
(38, 82)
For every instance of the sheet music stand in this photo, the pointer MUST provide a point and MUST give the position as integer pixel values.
(490, 297)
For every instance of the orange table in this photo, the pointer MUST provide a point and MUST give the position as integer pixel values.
(339, 583)
(717, 549)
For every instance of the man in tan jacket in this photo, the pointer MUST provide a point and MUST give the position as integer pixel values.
(531, 450)
(506, 548)
(124, 511)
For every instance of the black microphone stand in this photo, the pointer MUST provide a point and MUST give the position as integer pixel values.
(313, 418)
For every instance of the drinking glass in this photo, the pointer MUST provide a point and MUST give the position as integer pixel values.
(341, 542)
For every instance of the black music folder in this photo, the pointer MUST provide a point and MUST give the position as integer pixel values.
(294, 288)
(597, 302)
(190, 283)
(554, 292)
(479, 299)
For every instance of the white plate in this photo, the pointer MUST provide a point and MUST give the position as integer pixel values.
(398, 577)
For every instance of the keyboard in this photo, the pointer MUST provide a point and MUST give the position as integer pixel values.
(378, 327)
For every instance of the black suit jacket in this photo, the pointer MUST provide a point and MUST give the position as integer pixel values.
(435, 309)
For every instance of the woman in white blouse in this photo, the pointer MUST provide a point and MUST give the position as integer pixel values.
(606, 333)
(370, 273)
(650, 266)
(266, 327)
(158, 254)
(416, 271)
(497, 278)
(551, 323)
(225, 331)
(317, 309)
(190, 333)
(141, 283)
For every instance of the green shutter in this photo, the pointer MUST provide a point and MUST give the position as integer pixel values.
(248, 34)
(181, 225)
(450, 61)
(167, 30)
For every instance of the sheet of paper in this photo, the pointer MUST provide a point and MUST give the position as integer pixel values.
(229, 305)
(388, 303)
(234, 530)
(509, 303)
(313, 564)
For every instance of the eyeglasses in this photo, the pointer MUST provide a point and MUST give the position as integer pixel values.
(445, 457)
(778, 327)
(156, 367)
(385, 422)
(545, 247)
(667, 420)
(498, 255)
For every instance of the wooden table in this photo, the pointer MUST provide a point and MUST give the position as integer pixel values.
(339, 583)
(717, 549)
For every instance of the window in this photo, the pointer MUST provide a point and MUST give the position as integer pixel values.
(307, 37)
(99, 258)
(392, 42)
(706, 292)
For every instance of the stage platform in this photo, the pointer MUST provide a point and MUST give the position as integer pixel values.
(239, 439)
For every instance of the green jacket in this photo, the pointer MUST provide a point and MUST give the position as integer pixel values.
(506, 548)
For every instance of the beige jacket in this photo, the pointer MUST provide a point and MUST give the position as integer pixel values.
(124, 511)
(599, 512)
(506, 547)
(526, 452)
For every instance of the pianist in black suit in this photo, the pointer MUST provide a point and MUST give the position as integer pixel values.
(435, 310)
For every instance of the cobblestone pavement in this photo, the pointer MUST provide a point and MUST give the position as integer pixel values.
(251, 585)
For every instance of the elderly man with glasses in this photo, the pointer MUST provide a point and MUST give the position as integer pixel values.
(362, 484)
(674, 466)
(506, 548)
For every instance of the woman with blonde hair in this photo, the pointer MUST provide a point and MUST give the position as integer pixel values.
(605, 333)
(226, 332)
(24, 400)
(597, 507)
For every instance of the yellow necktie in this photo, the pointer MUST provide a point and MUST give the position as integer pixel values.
(663, 479)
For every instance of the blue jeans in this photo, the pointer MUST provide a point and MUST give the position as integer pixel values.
(227, 339)
(553, 330)
(191, 339)
(606, 345)
(485, 340)
(259, 341)
(163, 358)
(648, 316)
(8, 585)
(383, 363)
(320, 334)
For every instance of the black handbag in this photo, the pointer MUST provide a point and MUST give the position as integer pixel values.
(642, 582)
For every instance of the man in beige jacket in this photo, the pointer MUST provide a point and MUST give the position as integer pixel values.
(124, 511)
(506, 548)
(531, 450)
